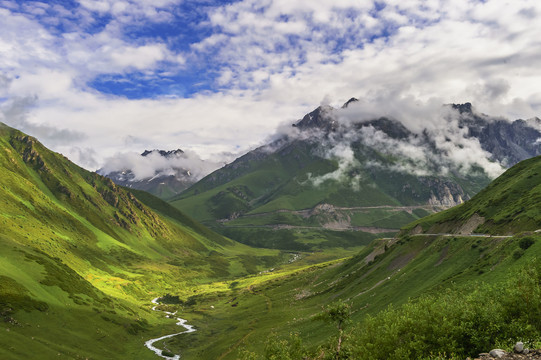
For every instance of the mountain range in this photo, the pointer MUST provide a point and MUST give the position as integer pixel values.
(164, 182)
(338, 177)
(82, 258)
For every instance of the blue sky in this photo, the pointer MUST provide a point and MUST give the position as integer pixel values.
(218, 77)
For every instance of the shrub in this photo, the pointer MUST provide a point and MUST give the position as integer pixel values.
(167, 353)
(456, 323)
(170, 299)
(526, 242)
(285, 349)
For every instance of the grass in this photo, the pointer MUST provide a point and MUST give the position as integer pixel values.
(82, 257)
(257, 189)
(508, 205)
(286, 301)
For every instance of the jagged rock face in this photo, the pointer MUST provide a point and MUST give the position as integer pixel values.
(319, 118)
(447, 200)
(164, 153)
(177, 182)
(508, 142)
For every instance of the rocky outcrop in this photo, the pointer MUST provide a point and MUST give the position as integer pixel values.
(473, 223)
(444, 193)
(447, 200)
(509, 142)
(320, 118)
(519, 353)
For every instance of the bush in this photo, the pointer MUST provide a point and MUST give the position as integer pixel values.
(167, 353)
(191, 301)
(285, 349)
(456, 323)
(526, 242)
(170, 299)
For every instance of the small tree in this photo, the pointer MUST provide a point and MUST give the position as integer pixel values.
(338, 313)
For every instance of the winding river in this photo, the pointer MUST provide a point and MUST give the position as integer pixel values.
(181, 322)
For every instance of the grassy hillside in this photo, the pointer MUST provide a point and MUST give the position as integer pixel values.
(386, 273)
(80, 258)
(509, 205)
(290, 193)
(404, 294)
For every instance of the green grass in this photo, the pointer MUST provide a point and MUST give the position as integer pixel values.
(81, 258)
(508, 205)
(267, 183)
(288, 301)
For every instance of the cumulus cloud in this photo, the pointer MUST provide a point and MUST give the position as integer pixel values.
(15, 114)
(252, 64)
(345, 156)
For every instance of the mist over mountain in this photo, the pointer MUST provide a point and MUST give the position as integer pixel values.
(160, 172)
(362, 167)
(423, 140)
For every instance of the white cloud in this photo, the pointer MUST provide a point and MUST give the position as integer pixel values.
(49, 84)
(131, 10)
(144, 167)
(139, 57)
(272, 60)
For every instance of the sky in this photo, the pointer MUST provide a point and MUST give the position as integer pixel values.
(96, 79)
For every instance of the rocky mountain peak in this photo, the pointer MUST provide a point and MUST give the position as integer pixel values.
(465, 108)
(164, 153)
(319, 118)
(352, 100)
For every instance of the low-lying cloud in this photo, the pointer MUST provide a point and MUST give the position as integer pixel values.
(187, 164)
(428, 140)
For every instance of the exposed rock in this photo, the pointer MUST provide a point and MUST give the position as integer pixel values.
(525, 355)
(473, 223)
(519, 347)
(444, 193)
(320, 118)
(164, 153)
(352, 100)
(416, 230)
(497, 353)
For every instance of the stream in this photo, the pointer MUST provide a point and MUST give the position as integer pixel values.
(181, 322)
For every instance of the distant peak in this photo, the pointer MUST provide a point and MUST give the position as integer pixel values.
(352, 100)
(465, 108)
(164, 153)
(319, 118)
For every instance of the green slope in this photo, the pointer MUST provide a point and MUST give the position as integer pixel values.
(80, 258)
(273, 190)
(509, 205)
(385, 273)
(476, 291)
